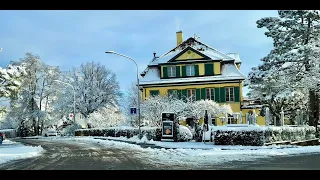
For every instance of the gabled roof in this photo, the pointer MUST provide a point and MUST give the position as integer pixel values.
(197, 45)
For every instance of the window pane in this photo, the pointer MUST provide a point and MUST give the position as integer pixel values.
(227, 94)
(212, 94)
(190, 70)
(193, 94)
(231, 94)
(171, 71)
(207, 93)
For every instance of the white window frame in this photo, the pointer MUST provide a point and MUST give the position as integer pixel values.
(171, 71)
(211, 91)
(190, 70)
(193, 98)
(229, 96)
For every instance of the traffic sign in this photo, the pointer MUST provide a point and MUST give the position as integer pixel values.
(70, 115)
(133, 110)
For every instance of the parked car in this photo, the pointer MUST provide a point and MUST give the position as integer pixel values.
(49, 132)
(2, 137)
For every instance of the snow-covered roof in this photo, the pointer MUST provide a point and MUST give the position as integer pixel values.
(197, 45)
(213, 53)
(235, 56)
(228, 72)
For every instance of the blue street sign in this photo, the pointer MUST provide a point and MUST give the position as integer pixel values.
(133, 110)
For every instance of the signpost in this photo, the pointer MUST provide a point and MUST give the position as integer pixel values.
(70, 115)
(133, 111)
(168, 125)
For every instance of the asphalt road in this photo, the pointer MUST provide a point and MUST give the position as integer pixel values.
(68, 155)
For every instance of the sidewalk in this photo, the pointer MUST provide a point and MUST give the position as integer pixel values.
(188, 145)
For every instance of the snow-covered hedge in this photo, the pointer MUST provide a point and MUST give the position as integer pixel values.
(70, 130)
(153, 133)
(257, 136)
(9, 133)
(184, 134)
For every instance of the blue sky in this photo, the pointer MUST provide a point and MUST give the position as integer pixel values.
(69, 38)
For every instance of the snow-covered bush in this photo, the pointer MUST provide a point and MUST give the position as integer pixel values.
(184, 134)
(106, 117)
(257, 136)
(152, 108)
(150, 132)
(70, 130)
(9, 133)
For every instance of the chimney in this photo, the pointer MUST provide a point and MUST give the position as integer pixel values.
(179, 37)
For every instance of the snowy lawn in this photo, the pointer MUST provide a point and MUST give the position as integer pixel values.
(12, 151)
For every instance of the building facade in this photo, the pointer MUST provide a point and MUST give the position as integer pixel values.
(195, 70)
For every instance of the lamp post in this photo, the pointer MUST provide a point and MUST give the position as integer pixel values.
(139, 115)
(74, 98)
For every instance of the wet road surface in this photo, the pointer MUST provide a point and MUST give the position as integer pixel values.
(70, 155)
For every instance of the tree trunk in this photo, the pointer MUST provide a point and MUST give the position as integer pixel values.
(312, 110)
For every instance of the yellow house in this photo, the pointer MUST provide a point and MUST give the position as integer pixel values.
(195, 70)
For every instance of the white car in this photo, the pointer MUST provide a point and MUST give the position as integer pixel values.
(49, 132)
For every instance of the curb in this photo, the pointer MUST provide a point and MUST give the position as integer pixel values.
(145, 145)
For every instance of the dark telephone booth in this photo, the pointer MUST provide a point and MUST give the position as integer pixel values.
(168, 126)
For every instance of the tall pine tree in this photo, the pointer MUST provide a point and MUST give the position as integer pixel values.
(294, 59)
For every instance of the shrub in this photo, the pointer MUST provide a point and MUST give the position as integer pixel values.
(70, 130)
(153, 133)
(184, 134)
(257, 136)
(9, 133)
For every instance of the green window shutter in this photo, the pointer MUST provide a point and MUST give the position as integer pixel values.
(217, 94)
(213, 69)
(208, 69)
(184, 71)
(203, 93)
(170, 91)
(184, 94)
(222, 94)
(236, 94)
(196, 70)
(154, 92)
(197, 94)
(165, 72)
(179, 94)
(177, 71)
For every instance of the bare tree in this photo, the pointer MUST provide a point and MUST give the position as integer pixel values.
(95, 87)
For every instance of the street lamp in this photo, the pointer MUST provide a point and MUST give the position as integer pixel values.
(0, 49)
(74, 98)
(139, 115)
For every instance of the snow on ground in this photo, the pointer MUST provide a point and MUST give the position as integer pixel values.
(191, 154)
(187, 156)
(10, 150)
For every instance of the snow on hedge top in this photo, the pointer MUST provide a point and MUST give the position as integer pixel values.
(6, 130)
(260, 128)
(119, 128)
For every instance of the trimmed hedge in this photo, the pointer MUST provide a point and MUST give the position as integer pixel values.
(150, 132)
(258, 136)
(9, 133)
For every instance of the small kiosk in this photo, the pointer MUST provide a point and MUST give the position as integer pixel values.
(168, 126)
